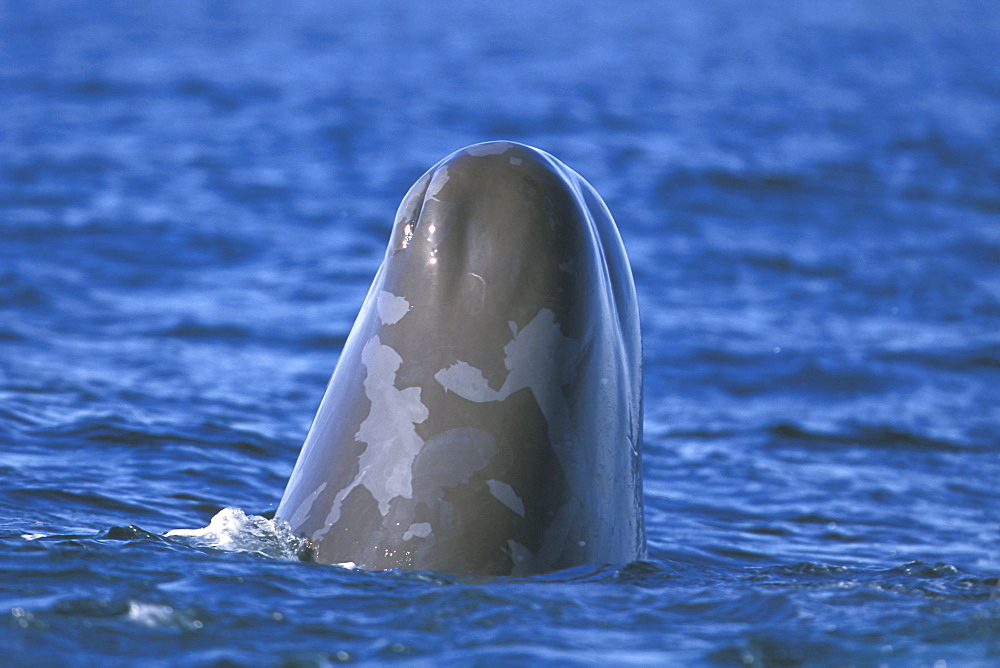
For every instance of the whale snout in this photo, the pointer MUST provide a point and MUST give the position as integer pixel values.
(485, 414)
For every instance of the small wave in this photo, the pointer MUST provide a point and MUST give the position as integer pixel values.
(965, 359)
(28, 497)
(865, 435)
(924, 571)
(812, 569)
(233, 530)
(197, 330)
(111, 430)
(647, 573)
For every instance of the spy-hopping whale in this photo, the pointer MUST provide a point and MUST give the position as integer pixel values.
(485, 415)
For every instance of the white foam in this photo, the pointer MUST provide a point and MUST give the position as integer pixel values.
(149, 614)
(152, 615)
(234, 530)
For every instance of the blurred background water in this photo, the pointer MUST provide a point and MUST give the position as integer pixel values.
(195, 196)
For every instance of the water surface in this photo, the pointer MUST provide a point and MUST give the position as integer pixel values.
(195, 196)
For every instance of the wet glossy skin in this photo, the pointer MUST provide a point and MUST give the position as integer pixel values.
(485, 415)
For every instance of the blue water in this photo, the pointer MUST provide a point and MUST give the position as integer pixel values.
(194, 197)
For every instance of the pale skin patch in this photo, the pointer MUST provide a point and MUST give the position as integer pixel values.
(437, 183)
(527, 367)
(418, 530)
(385, 467)
(391, 308)
(467, 382)
(506, 495)
(529, 358)
(305, 508)
(519, 554)
(488, 148)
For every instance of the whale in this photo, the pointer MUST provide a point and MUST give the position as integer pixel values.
(485, 413)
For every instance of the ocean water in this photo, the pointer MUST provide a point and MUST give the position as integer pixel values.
(195, 196)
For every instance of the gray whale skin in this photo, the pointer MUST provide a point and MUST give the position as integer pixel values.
(485, 415)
